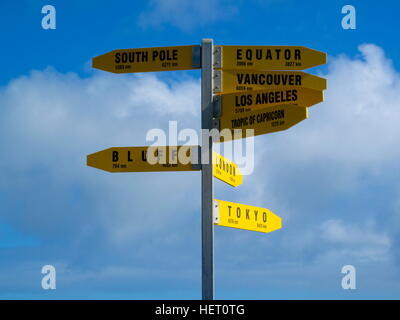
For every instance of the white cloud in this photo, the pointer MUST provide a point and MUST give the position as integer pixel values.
(360, 240)
(186, 14)
(51, 121)
(322, 176)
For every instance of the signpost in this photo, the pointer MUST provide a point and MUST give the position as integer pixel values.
(226, 170)
(248, 96)
(145, 159)
(241, 216)
(149, 59)
(267, 58)
(240, 102)
(230, 81)
(207, 188)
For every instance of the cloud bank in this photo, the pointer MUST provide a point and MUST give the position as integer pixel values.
(333, 179)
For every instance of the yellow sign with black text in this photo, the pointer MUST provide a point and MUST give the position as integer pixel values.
(230, 81)
(241, 102)
(267, 57)
(226, 170)
(145, 159)
(268, 120)
(241, 216)
(149, 59)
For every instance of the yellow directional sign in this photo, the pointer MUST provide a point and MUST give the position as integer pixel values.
(230, 81)
(241, 102)
(267, 57)
(241, 216)
(226, 170)
(263, 121)
(145, 159)
(149, 59)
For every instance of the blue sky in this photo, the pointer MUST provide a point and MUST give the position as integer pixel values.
(334, 178)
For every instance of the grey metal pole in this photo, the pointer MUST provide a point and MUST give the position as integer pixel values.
(207, 226)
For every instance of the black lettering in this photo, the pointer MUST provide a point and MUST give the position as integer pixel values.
(294, 94)
(162, 55)
(118, 57)
(278, 51)
(249, 54)
(298, 80)
(297, 54)
(124, 57)
(271, 97)
(115, 156)
(155, 55)
(254, 78)
(240, 78)
(249, 100)
(239, 54)
(269, 79)
(278, 96)
(284, 78)
(129, 157)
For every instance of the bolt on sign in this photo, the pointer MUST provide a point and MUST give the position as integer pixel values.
(230, 81)
(267, 57)
(241, 216)
(226, 170)
(149, 59)
(268, 120)
(240, 102)
(145, 159)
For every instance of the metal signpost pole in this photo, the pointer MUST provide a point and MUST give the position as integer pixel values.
(207, 228)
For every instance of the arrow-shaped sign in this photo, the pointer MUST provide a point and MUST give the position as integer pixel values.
(145, 159)
(268, 120)
(267, 57)
(230, 81)
(241, 216)
(149, 59)
(242, 102)
(226, 170)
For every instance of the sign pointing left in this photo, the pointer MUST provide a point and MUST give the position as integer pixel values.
(149, 59)
(145, 159)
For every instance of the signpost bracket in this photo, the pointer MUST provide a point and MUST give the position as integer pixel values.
(215, 124)
(218, 57)
(217, 102)
(217, 81)
(216, 211)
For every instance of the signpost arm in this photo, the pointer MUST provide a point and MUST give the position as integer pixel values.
(206, 172)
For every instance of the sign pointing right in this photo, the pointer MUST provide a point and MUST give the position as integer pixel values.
(240, 102)
(229, 81)
(263, 121)
(241, 216)
(267, 57)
